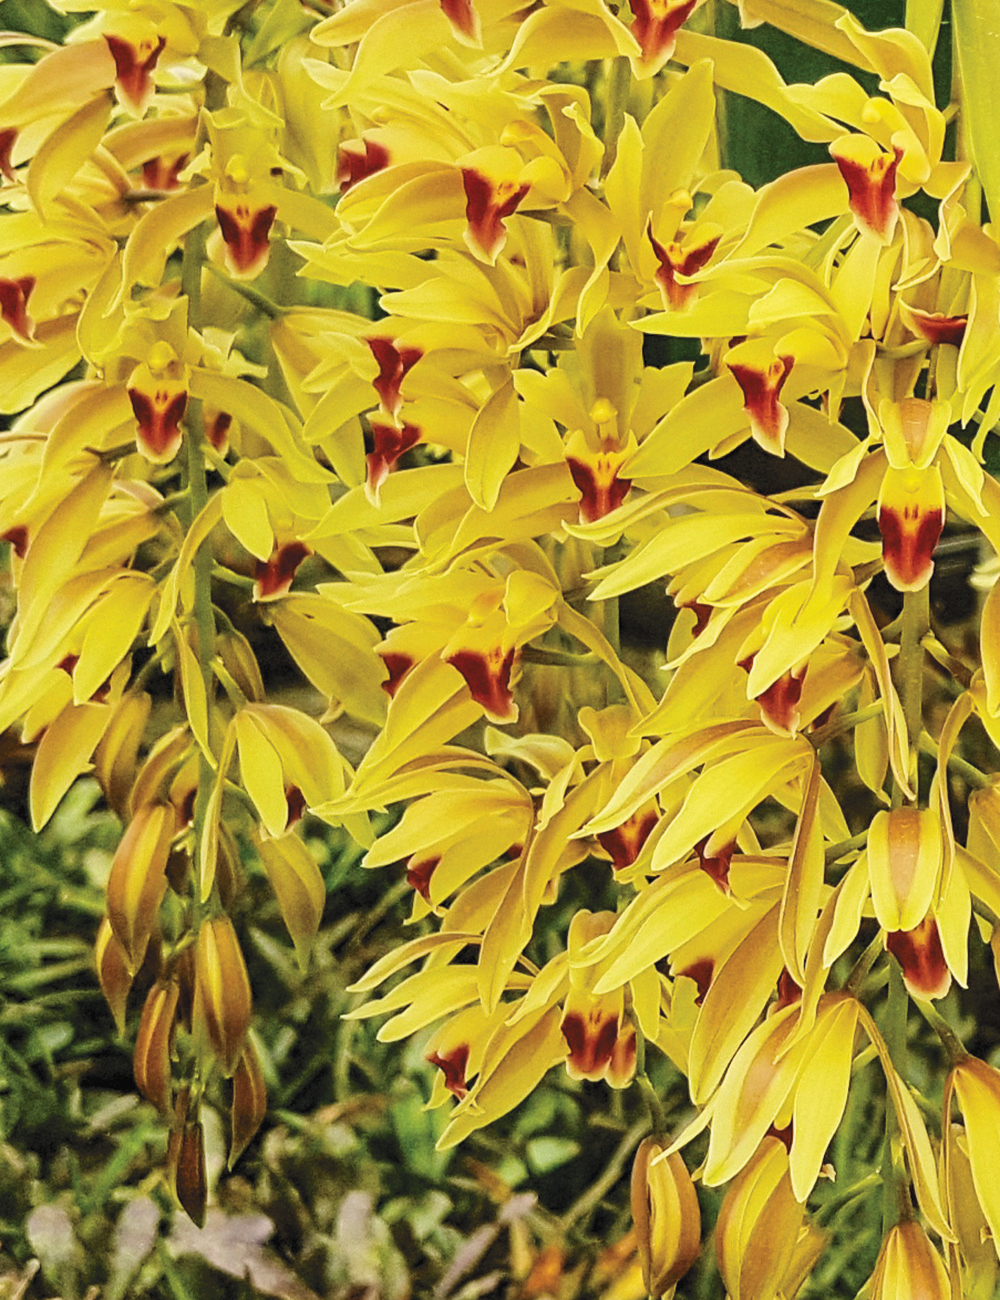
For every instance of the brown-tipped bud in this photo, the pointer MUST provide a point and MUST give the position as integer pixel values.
(151, 1058)
(138, 879)
(115, 756)
(758, 1226)
(186, 1159)
(113, 972)
(249, 1102)
(667, 1217)
(240, 662)
(223, 1002)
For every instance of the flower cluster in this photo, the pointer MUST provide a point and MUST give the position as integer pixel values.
(347, 325)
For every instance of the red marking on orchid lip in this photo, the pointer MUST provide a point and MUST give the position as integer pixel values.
(398, 665)
(936, 327)
(591, 1040)
(67, 663)
(296, 802)
(761, 390)
(418, 875)
(217, 431)
(675, 261)
(788, 991)
(601, 490)
(624, 843)
(390, 444)
(453, 1066)
(717, 866)
(354, 166)
(488, 679)
(462, 16)
(246, 234)
(486, 207)
(132, 73)
(784, 1135)
(8, 138)
(18, 539)
(908, 541)
(872, 191)
(158, 416)
(701, 971)
(780, 702)
(273, 577)
(394, 364)
(656, 24)
(921, 956)
(163, 174)
(14, 295)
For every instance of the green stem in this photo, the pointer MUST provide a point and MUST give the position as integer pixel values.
(263, 304)
(837, 851)
(915, 625)
(895, 1203)
(845, 722)
(971, 775)
(949, 1039)
(197, 486)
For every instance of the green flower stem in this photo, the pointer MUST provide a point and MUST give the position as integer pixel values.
(949, 1039)
(971, 775)
(845, 722)
(916, 623)
(837, 851)
(197, 486)
(262, 303)
(895, 1203)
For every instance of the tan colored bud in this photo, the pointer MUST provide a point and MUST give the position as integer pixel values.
(228, 868)
(138, 879)
(116, 755)
(223, 1002)
(151, 1058)
(909, 1268)
(905, 849)
(240, 662)
(249, 1102)
(666, 1215)
(186, 1159)
(758, 1226)
(113, 972)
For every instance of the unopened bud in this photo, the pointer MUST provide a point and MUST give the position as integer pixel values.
(249, 1102)
(667, 1217)
(151, 1058)
(758, 1226)
(138, 879)
(909, 1266)
(186, 1159)
(222, 998)
(113, 972)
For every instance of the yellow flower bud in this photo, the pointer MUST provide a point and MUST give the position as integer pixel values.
(113, 972)
(151, 1058)
(909, 1268)
(138, 879)
(223, 1002)
(667, 1217)
(249, 1102)
(758, 1226)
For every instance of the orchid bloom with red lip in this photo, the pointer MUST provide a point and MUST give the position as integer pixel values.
(273, 577)
(158, 391)
(245, 221)
(911, 504)
(655, 26)
(686, 260)
(135, 62)
(354, 164)
(869, 173)
(494, 190)
(761, 376)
